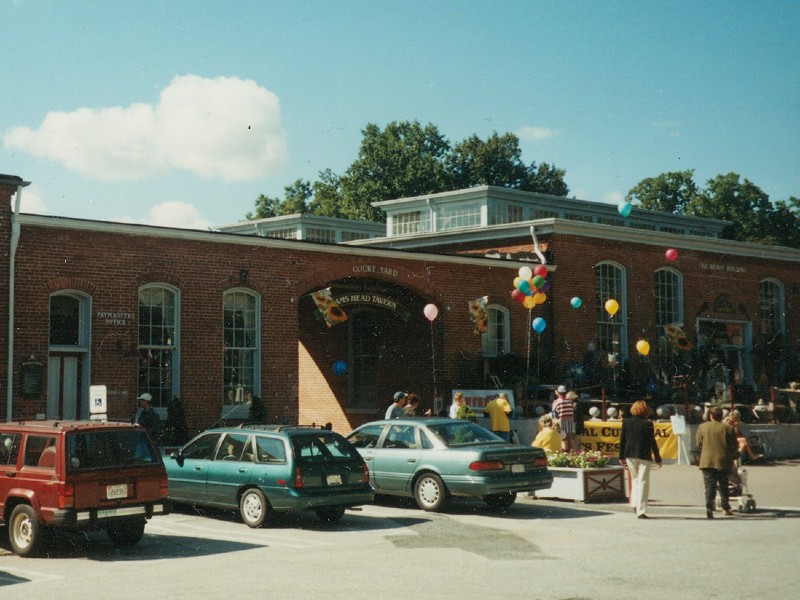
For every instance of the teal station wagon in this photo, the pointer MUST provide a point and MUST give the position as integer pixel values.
(264, 469)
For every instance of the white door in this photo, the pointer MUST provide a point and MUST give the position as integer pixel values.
(63, 386)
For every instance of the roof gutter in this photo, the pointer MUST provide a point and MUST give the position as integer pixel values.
(15, 234)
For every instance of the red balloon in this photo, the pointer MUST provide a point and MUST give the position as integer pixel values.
(540, 270)
(671, 254)
(517, 295)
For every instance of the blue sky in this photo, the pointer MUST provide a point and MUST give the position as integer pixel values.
(182, 113)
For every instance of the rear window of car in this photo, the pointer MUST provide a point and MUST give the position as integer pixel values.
(321, 447)
(461, 433)
(270, 449)
(40, 451)
(109, 449)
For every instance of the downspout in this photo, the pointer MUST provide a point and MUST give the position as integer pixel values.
(15, 233)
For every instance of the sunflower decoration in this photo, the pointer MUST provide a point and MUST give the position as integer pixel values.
(677, 337)
(328, 308)
(334, 315)
(477, 314)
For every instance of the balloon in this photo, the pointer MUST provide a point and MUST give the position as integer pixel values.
(517, 281)
(539, 324)
(517, 296)
(529, 302)
(643, 347)
(524, 286)
(430, 311)
(612, 306)
(539, 297)
(525, 272)
(624, 209)
(576, 302)
(540, 270)
(671, 254)
(339, 367)
(538, 281)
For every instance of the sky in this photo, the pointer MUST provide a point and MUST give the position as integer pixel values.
(181, 114)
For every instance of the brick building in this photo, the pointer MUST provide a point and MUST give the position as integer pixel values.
(217, 317)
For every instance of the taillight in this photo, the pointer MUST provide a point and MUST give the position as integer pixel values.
(486, 465)
(164, 485)
(298, 477)
(366, 473)
(66, 495)
(540, 461)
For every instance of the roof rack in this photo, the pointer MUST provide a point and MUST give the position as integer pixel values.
(276, 427)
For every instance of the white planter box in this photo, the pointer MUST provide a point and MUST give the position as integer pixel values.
(586, 485)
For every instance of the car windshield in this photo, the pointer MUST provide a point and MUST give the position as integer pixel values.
(109, 449)
(460, 433)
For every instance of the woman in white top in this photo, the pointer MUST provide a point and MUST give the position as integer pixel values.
(458, 401)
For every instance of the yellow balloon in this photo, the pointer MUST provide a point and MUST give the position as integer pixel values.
(612, 306)
(529, 302)
(517, 281)
(539, 297)
(643, 347)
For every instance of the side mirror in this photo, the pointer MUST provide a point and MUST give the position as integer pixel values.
(177, 456)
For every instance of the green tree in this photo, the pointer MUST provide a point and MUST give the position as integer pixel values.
(785, 226)
(296, 200)
(669, 192)
(328, 196)
(546, 179)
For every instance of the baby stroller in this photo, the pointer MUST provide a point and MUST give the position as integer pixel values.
(738, 491)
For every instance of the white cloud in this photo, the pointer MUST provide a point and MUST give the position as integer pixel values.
(174, 213)
(31, 201)
(224, 127)
(536, 134)
(614, 197)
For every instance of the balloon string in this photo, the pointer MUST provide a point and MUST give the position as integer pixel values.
(528, 361)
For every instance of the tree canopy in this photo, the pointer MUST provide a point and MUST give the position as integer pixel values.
(754, 218)
(409, 159)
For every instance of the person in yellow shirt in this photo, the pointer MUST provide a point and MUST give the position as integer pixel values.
(498, 411)
(549, 436)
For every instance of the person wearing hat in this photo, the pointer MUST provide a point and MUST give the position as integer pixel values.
(395, 410)
(564, 410)
(147, 417)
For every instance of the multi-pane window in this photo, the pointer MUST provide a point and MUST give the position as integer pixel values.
(770, 301)
(496, 340)
(411, 222)
(241, 347)
(452, 216)
(669, 297)
(611, 329)
(158, 327)
(284, 234)
(349, 236)
(321, 234)
(506, 213)
(65, 320)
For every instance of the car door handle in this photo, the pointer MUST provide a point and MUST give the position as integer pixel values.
(11, 473)
(198, 468)
(243, 470)
(411, 460)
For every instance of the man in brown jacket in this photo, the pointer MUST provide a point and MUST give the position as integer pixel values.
(718, 449)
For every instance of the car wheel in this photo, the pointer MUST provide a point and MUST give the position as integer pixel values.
(24, 531)
(430, 492)
(126, 533)
(500, 501)
(254, 508)
(330, 514)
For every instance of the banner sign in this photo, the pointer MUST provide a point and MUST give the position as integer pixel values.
(375, 300)
(603, 436)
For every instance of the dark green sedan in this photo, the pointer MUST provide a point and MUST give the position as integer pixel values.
(261, 470)
(432, 459)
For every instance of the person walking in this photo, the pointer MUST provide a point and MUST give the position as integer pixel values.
(564, 410)
(498, 411)
(147, 417)
(718, 450)
(395, 410)
(637, 451)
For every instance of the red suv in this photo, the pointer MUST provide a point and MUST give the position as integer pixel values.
(78, 475)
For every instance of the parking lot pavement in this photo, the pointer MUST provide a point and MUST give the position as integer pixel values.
(678, 489)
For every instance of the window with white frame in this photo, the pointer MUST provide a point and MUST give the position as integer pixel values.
(669, 297)
(411, 222)
(770, 301)
(158, 335)
(503, 212)
(321, 234)
(497, 339)
(452, 216)
(241, 347)
(611, 329)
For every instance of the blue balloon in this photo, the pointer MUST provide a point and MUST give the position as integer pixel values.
(539, 324)
(624, 209)
(525, 286)
(576, 302)
(339, 367)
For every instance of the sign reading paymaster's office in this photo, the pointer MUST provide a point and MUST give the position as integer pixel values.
(115, 318)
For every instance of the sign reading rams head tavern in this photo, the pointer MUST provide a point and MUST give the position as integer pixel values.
(375, 300)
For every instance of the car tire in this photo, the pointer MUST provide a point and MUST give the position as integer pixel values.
(430, 492)
(24, 531)
(126, 533)
(501, 501)
(254, 508)
(330, 514)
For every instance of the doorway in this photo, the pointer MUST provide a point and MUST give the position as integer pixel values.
(64, 383)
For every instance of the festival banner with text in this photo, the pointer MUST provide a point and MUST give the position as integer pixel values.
(603, 436)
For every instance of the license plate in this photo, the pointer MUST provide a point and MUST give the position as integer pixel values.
(117, 491)
(334, 479)
(517, 468)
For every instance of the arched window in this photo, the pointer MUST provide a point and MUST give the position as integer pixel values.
(612, 334)
(771, 305)
(242, 345)
(159, 334)
(69, 319)
(497, 339)
(669, 297)
(770, 349)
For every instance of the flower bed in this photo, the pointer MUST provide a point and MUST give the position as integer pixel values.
(582, 460)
